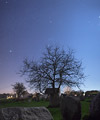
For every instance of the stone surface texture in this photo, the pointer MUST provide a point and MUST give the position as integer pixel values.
(25, 113)
(70, 108)
(95, 108)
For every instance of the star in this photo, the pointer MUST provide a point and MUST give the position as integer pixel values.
(50, 21)
(10, 51)
(6, 2)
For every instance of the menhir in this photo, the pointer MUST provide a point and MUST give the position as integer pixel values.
(95, 108)
(70, 108)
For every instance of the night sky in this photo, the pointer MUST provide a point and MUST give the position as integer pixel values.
(27, 26)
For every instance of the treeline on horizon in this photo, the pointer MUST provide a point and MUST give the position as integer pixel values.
(66, 92)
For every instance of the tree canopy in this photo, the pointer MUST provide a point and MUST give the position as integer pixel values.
(19, 89)
(56, 68)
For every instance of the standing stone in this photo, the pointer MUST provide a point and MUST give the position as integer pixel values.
(24, 113)
(54, 100)
(70, 108)
(95, 108)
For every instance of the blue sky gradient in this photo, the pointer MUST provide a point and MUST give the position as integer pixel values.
(27, 26)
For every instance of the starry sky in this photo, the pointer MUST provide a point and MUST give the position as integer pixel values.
(27, 26)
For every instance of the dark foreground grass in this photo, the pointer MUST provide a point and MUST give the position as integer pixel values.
(85, 108)
(24, 104)
(54, 111)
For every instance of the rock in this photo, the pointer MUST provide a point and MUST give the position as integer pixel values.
(70, 108)
(25, 113)
(95, 108)
(54, 101)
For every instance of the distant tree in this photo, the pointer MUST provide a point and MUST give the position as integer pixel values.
(77, 93)
(67, 90)
(19, 89)
(91, 93)
(55, 69)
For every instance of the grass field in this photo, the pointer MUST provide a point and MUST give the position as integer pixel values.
(85, 108)
(54, 111)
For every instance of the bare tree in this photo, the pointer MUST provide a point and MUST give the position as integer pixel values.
(55, 69)
(19, 89)
(67, 90)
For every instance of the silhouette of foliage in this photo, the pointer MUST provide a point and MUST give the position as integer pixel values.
(55, 69)
(19, 89)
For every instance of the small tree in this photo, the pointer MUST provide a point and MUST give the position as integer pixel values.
(67, 90)
(19, 89)
(55, 69)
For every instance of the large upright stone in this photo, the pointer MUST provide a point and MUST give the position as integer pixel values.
(70, 108)
(95, 108)
(24, 113)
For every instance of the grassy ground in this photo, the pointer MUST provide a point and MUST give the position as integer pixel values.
(54, 111)
(85, 108)
(24, 104)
